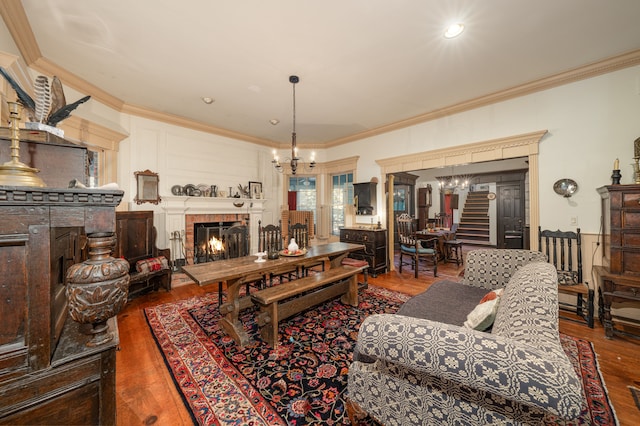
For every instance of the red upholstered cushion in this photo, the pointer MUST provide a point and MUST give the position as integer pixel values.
(354, 262)
(152, 264)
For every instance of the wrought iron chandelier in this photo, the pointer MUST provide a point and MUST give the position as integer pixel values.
(454, 182)
(294, 160)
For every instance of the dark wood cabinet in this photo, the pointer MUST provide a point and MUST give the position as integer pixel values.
(47, 373)
(375, 251)
(367, 198)
(619, 277)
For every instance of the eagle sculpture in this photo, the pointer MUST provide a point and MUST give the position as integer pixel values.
(50, 106)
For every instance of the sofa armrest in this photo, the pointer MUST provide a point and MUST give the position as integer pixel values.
(494, 364)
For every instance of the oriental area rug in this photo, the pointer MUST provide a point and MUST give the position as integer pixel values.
(304, 381)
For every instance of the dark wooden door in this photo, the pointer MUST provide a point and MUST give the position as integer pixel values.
(510, 213)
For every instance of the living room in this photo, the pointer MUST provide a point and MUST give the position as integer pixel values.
(572, 123)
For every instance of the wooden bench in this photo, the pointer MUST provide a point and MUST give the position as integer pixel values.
(136, 242)
(287, 299)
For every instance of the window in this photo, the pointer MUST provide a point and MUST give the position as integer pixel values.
(341, 197)
(304, 188)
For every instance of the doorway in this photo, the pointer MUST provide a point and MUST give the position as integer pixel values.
(510, 215)
(404, 185)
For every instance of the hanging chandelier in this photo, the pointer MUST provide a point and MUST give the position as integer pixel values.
(295, 159)
(454, 182)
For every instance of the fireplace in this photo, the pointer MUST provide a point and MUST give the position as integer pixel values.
(208, 244)
(182, 213)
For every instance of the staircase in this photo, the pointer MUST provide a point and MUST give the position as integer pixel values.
(474, 220)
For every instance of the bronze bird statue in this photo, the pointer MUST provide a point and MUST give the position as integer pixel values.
(52, 101)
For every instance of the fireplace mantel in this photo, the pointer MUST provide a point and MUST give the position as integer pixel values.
(196, 205)
(177, 208)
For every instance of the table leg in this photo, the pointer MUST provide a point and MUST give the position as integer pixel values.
(337, 261)
(231, 310)
(606, 301)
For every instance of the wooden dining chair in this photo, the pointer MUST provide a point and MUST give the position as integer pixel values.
(235, 241)
(443, 220)
(300, 232)
(414, 247)
(269, 237)
(453, 247)
(564, 251)
(270, 241)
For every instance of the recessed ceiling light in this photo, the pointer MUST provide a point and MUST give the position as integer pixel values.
(274, 121)
(454, 30)
(207, 100)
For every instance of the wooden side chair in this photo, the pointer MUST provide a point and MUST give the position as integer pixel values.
(269, 241)
(415, 248)
(564, 251)
(300, 231)
(453, 247)
(235, 241)
(443, 220)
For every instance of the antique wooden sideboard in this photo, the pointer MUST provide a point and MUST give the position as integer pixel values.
(619, 277)
(48, 375)
(375, 243)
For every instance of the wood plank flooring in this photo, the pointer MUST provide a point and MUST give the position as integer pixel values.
(147, 395)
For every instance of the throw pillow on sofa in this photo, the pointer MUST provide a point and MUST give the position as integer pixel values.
(483, 315)
(153, 264)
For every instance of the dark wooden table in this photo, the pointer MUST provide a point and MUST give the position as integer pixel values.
(441, 234)
(245, 269)
(616, 288)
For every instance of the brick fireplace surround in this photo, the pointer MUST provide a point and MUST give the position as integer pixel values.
(191, 219)
(182, 212)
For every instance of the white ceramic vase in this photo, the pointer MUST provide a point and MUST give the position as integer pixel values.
(293, 246)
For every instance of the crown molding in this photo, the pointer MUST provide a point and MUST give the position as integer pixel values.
(581, 73)
(18, 25)
(191, 124)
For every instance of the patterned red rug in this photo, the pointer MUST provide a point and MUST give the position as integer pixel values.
(304, 381)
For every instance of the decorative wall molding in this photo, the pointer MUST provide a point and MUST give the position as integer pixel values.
(496, 149)
(524, 145)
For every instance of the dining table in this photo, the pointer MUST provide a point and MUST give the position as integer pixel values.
(442, 234)
(240, 270)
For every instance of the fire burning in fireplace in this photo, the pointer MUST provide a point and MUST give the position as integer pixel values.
(209, 244)
(216, 246)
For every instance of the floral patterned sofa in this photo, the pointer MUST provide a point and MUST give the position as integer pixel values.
(423, 366)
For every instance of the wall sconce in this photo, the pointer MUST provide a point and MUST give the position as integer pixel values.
(565, 187)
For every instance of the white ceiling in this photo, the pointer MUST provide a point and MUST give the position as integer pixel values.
(362, 64)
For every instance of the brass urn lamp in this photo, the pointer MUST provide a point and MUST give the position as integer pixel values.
(13, 172)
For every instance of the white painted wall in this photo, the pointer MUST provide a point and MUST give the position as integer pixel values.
(590, 123)
(183, 156)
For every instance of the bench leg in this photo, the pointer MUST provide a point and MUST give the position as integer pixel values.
(351, 296)
(269, 324)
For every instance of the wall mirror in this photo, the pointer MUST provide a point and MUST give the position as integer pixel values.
(147, 187)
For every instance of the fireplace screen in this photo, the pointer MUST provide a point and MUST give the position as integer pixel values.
(208, 243)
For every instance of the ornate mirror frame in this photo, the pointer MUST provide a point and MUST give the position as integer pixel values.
(147, 187)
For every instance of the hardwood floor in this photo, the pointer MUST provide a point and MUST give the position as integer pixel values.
(147, 395)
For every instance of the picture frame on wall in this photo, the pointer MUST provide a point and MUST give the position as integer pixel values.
(147, 187)
(255, 190)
